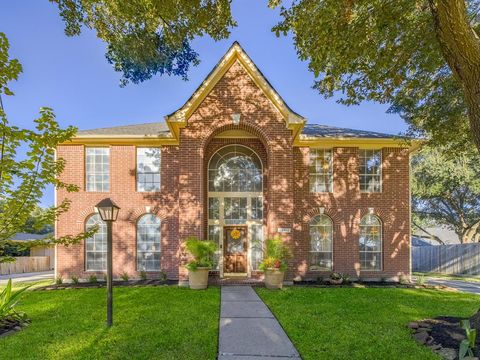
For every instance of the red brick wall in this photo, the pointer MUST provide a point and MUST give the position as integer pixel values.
(181, 204)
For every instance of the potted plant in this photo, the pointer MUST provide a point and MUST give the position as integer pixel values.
(274, 263)
(336, 278)
(202, 252)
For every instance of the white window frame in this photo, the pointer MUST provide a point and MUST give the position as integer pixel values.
(155, 251)
(312, 252)
(97, 186)
(380, 239)
(314, 155)
(101, 231)
(137, 172)
(362, 159)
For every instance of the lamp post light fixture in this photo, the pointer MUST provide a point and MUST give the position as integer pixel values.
(108, 211)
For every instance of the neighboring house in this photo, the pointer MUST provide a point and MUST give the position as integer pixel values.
(432, 235)
(235, 156)
(40, 250)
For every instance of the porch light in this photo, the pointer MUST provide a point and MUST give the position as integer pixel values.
(236, 118)
(108, 211)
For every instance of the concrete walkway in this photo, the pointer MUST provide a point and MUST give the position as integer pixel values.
(26, 277)
(248, 330)
(460, 285)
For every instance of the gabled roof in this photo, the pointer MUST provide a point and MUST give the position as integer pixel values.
(178, 118)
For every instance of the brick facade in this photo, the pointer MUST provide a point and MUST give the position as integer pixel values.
(182, 202)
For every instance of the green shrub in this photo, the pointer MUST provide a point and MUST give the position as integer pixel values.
(8, 301)
(202, 252)
(163, 276)
(335, 276)
(59, 281)
(345, 278)
(467, 346)
(421, 280)
(143, 275)
(75, 279)
(276, 255)
(93, 279)
(125, 276)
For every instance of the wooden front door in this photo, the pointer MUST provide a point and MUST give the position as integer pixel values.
(235, 249)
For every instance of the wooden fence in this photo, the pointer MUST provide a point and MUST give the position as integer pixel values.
(447, 259)
(25, 264)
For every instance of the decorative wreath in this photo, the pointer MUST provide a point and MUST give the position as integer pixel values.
(235, 234)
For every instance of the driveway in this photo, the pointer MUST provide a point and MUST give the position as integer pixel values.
(26, 277)
(468, 287)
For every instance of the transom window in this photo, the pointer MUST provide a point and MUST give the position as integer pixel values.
(235, 169)
(370, 243)
(148, 243)
(321, 170)
(97, 165)
(96, 246)
(148, 169)
(370, 171)
(321, 243)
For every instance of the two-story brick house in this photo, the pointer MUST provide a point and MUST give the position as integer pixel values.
(235, 156)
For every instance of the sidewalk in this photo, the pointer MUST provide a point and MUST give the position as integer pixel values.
(26, 277)
(248, 330)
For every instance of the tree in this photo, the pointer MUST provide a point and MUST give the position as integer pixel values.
(420, 56)
(146, 37)
(446, 191)
(24, 179)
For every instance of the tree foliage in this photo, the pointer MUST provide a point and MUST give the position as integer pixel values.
(446, 191)
(422, 57)
(148, 37)
(23, 179)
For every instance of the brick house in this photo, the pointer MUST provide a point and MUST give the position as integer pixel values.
(235, 156)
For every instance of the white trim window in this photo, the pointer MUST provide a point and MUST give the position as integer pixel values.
(370, 171)
(148, 243)
(321, 243)
(148, 169)
(96, 246)
(370, 243)
(321, 170)
(97, 167)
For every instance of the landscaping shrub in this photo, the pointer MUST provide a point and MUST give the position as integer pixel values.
(8, 300)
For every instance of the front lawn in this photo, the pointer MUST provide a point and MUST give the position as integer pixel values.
(149, 323)
(361, 323)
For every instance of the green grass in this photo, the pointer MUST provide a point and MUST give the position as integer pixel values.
(149, 323)
(356, 323)
(468, 278)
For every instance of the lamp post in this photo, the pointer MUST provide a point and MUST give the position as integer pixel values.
(108, 211)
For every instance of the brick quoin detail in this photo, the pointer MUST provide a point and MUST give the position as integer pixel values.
(181, 204)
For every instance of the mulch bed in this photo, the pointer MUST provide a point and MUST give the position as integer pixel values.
(371, 284)
(442, 334)
(99, 284)
(10, 326)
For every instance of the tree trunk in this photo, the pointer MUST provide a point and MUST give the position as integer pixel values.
(460, 45)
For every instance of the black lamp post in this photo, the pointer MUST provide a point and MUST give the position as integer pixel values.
(108, 212)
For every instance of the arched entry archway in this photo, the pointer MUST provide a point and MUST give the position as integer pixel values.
(235, 208)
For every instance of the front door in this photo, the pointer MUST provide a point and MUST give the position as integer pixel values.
(235, 249)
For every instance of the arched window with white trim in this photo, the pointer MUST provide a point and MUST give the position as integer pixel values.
(96, 246)
(321, 243)
(148, 243)
(370, 243)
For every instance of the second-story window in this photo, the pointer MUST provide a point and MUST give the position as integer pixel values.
(321, 170)
(370, 170)
(97, 165)
(148, 169)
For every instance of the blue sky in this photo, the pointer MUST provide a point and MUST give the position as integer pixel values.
(72, 76)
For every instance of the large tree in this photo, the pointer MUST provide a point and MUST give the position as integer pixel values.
(146, 37)
(24, 178)
(446, 191)
(420, 56)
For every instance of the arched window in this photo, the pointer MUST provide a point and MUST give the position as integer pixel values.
(96, 246)
(370, 243)
(235, 169)
(148, 243)
(321, 243)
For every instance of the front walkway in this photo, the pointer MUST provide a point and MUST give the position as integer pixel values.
(248, 330)
(27, 277)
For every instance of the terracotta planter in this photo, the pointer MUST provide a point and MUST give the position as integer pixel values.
(198, 279)
(274, 278)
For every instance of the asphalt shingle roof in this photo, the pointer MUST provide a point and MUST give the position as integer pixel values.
(161, 129)
(150, 129)
(28, 237)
